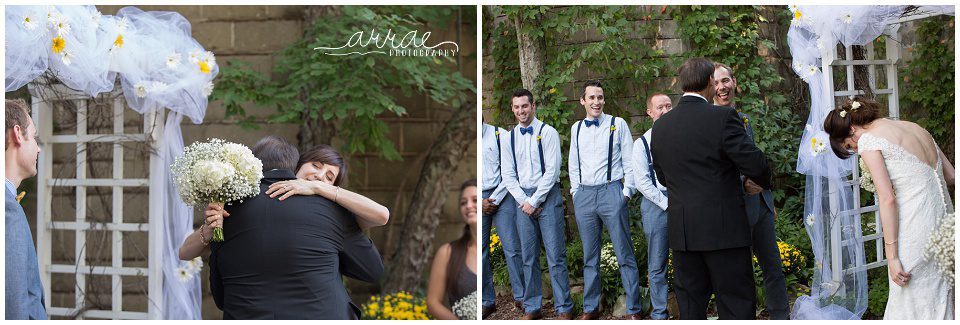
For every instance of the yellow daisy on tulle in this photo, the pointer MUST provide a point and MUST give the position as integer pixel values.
(797, 14)
(204, 67)
(118, 43)
(58, 44)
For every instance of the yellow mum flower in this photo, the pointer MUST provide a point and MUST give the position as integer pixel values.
(204, 67)
(797, 14)
(58, 44)
(118, 43)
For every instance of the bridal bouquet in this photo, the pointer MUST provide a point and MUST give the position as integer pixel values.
(216, 171)
(466, 307)
(940, 247)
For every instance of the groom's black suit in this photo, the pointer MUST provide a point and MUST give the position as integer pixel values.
(284, 259)
(699, 151)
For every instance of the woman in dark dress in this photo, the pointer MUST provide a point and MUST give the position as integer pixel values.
(454, 274)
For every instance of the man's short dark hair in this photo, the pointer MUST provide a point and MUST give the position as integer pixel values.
(695, 75)
(276, 153)
(589, 83)
(522, 92)
(18, 113)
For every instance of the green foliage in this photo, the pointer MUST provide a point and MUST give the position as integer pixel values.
(928, 86)
(878, 291)
(354, 90)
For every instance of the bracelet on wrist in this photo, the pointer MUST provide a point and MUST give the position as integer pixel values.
(203, 240)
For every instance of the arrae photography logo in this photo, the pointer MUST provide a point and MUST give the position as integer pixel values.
(413, 43)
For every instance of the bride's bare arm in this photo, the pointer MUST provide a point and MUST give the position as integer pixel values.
(197, 242)
(889, 217)
(369, 213)
(948, 172)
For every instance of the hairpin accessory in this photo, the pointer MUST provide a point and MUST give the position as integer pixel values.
(854, 106)
(843, 113)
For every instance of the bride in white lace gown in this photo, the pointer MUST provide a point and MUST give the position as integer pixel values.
(911, 175)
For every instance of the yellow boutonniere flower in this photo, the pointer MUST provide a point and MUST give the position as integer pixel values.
(20, 196)
(613, 128)
(497, 132)
(538, 138)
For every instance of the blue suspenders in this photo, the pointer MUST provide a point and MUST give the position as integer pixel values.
(646, 150)
(543, 167)
(609, 149)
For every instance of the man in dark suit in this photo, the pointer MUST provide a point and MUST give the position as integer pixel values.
(699, 152)
(760, 210)
(284, 259)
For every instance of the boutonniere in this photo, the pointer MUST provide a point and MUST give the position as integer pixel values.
(538, 138)
(497, 132)
(745, 120)
(613, 128)
(20, 196)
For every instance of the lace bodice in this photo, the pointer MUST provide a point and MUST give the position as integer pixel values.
(922, 200)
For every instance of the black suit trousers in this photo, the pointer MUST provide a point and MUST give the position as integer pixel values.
(727, 273)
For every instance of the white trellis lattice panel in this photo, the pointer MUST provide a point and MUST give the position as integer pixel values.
(90, 264)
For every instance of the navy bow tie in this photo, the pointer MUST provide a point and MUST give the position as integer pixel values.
(594, 122)
(525, 130)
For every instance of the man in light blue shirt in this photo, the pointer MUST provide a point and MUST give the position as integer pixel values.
(601, 176)
(532, 174)
(653, 209)
(24, 292)
(495, 143)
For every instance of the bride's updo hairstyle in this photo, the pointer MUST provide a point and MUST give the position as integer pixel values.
(858, 111)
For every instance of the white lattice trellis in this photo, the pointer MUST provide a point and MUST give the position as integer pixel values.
(832, 63)
(45, 103)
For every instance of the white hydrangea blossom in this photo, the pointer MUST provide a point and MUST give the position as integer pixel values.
(940, 248)
(211, 174)
(466, 307)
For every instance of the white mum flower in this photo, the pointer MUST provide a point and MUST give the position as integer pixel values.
(798, 66)
(811, 219)
(173, 60)
(30, 21)
(195, 265)
(95, 16)
(122, 24)
(820, 45)
(61, 25)
(847, 18)
(158, 87)
(66, 57)
(184, 275)
(194, 56)
(207, 89)
(209, 58)
(140, 89)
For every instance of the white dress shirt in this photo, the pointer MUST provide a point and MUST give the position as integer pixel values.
(591, 161)
(642, 173)
(696, 95)
(527, 173)
(491, 161)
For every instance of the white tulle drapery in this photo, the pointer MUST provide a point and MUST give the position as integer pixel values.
(160, 66)
(814, 31)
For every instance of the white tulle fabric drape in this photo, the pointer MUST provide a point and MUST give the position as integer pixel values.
(816, 30)
(160, 66)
